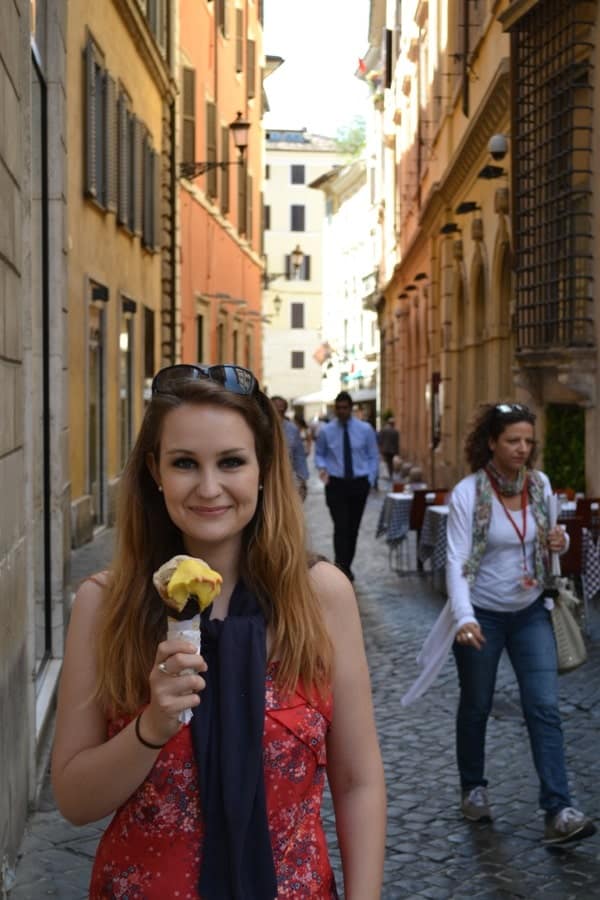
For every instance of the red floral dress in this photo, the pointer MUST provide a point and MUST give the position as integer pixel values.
(153, 845)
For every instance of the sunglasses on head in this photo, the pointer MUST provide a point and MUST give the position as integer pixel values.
(232, 378)
(507, 408)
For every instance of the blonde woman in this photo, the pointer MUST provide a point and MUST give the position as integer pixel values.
(229, 806)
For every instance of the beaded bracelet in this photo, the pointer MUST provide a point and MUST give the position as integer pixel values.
(141, 739)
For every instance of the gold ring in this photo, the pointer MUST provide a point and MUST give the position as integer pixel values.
(469, 636)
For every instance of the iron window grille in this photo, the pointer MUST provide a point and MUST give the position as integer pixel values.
(552, 122)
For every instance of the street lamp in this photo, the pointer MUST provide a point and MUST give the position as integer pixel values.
(239, 129)
(296, 260)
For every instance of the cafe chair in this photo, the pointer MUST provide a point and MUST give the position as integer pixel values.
(421, 500)
(588, 508)
(570, 562)
(567, 493)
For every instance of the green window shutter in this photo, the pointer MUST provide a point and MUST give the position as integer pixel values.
(251, 73)
(90, 183)
(157, 198)
(225, 138)
(188, 138)
(239, 40)
(211, 148)
(124, 161)
(111, 149)
(250, 212)
(242, 199)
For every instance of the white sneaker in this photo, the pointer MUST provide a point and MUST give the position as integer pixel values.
(475, 805)
(569, 824)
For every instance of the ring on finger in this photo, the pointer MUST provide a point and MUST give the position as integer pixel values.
(469, 635)
(162, 667)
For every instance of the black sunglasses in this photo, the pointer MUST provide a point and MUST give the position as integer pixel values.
(232, 378)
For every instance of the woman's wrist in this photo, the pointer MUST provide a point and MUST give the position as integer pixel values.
(151, 745)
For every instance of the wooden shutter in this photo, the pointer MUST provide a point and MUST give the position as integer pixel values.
(306, 267)
(124, 161)
(239, 40)
(90, 184)
(250, 207)
(157, 201)
(148, 187)
(288, 266)
(297, 315)
(188, 138)
(111, 148)
(242, 200)
(251, 65)
(136, 181)
(225, 137)
(222, 16)
(211, 147)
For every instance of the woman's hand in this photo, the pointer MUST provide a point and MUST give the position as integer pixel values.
(557, 541)
(175, 684)
(470, 635)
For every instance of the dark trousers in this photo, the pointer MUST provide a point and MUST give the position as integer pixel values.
(346, 499)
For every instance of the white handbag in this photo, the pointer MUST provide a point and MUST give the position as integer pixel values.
(570, 646)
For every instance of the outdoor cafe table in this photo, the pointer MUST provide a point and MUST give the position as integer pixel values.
(432, 545)
(394, 518)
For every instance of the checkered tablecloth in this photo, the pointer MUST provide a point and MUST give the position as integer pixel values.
(432, 545)
(590, 563)
(394, 518)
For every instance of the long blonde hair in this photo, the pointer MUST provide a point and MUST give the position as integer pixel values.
(274, 560)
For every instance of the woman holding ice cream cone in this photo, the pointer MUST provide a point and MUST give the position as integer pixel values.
(229, 805)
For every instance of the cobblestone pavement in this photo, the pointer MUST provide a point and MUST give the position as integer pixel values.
(431, 851)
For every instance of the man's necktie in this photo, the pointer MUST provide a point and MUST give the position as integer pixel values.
(348, 468)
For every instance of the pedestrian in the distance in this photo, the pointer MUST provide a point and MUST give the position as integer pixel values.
(498, 564)
(229, 806)
(388, 439)
(347, 458)
(295, 445)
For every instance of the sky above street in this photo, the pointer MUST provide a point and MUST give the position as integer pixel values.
(321, 42)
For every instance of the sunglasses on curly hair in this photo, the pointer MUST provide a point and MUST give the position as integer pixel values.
(506, 408)
(233, 378)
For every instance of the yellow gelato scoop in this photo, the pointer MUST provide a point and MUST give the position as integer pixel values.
(186, 576)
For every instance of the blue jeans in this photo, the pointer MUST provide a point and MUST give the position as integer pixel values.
(529, 641)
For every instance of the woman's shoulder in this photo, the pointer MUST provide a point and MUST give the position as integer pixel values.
(465, 488)
(332, 587)
(92, 589)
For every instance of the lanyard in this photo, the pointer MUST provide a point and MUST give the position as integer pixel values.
(520, 534)
(527, 581)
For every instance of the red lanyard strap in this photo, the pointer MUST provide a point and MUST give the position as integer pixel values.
(521, 535)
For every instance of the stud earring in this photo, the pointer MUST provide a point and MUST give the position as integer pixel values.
(160, 488)
(260, 487)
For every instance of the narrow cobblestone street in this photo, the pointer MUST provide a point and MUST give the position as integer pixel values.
(431, 851)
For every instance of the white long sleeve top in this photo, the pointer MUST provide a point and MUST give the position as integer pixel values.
(458, 609)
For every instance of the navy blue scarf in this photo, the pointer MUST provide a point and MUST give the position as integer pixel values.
(227, 735)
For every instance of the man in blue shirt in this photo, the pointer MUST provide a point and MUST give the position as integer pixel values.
(295, 445)
(347, 457)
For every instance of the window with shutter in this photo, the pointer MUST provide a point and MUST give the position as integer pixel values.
(297, 359)
(251, 66)
(221, 11)
(297, 315)
(250, 212)
(266, 217)
(297, 218)
(136, 157)
(242, 199)
(304, 273)
(111, 144)
(147, 198)
(124, 160)
(188, 105)
(211, 147)
(91, 102)
(225, 170)
(157, 201)
(239, 40)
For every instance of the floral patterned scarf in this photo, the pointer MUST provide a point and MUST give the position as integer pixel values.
(482, 515)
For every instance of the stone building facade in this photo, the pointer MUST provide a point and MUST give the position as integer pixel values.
(34, 520)
(491, 295)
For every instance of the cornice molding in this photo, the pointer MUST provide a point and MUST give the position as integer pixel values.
(146, 47)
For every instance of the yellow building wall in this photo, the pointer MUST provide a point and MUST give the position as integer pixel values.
(98, 248)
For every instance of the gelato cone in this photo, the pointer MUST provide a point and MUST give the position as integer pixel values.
(187, 586)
